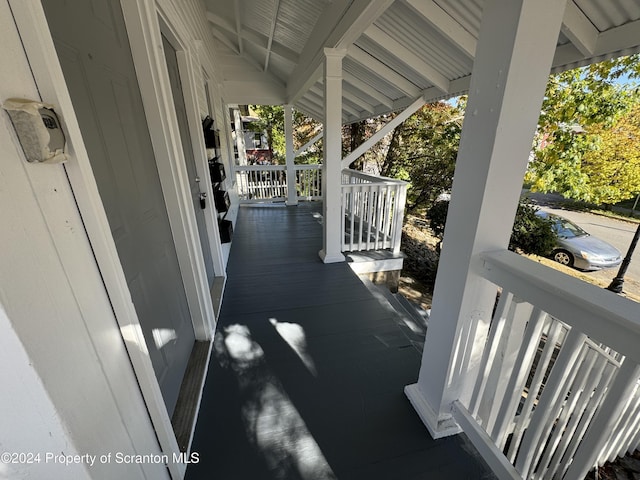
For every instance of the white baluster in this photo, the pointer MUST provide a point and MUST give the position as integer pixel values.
(540, 424)
(605, 420)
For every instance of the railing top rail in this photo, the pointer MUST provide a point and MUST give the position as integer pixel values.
(259, 168)
(599, 313)
(371, 185)
(372, 178)
(251, 168)
(311, 166)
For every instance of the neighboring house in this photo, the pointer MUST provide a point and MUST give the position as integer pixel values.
(111, 270)
(257, 146)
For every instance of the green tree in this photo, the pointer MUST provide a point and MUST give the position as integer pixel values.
(423, 150)
(437, 216)
(613, 168)
(304, 129)
(354, 134)
(531, 234)
(271, 121)
(579, 106)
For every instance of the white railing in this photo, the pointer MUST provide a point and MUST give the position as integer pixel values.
(373, 211)
(372, 206)
(558, 385)
(268, 183)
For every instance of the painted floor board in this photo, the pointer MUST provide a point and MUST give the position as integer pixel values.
(308, 368)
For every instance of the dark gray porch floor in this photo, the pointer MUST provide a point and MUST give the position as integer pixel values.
(308, 368)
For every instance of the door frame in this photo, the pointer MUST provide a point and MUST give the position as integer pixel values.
(221, 115)
(190, 73)
(142, 27)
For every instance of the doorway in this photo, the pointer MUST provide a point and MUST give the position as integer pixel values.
(93, 48)
(198, 195)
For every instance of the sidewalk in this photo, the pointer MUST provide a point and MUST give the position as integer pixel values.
(557, 200)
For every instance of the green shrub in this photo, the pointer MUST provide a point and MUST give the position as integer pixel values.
(531, 234)
(437, 216)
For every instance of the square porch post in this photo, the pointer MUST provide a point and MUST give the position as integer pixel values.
(292, 194)
(514, 54)
(331, 164)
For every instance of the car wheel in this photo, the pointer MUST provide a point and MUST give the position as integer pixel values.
(563, 257)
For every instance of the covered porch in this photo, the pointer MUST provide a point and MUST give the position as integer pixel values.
(308, 367)
(538, 370)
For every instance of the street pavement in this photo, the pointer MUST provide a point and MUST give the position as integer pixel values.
(618, 233)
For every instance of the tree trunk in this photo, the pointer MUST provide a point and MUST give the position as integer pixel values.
(356, 137)
(387, 165)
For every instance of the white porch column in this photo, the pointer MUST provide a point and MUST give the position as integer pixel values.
(292, 194)
(242, 149)
(331, 163)
(513, 58)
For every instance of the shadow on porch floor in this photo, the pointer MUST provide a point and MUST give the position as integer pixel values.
(308, 368)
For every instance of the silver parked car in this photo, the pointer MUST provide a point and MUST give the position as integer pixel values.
(576, 248)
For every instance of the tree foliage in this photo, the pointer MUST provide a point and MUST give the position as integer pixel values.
(586, 117)
(437, 216)
(423, 150)
(354, 134)
(271, 121)
(531, 234)
(304, 129)
(614, 168)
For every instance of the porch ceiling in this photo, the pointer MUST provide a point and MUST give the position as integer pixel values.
(270, 51)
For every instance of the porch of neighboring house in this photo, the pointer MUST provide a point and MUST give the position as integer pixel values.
(308, 368)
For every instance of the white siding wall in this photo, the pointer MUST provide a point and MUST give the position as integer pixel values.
(67, 382)
(202, 96)
(31, 424)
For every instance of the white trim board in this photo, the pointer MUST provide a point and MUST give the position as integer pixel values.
(77, 258)
(40, 50)
(141, 20)
(190, 74)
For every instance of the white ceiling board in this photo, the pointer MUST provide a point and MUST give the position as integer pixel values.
(608, 14)
(446, 25)
(408, 58)
(359, 15)
(579, 29)
(362, 73)
(366, 89)
(378, 67)
(395, 50)
(417, 34)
